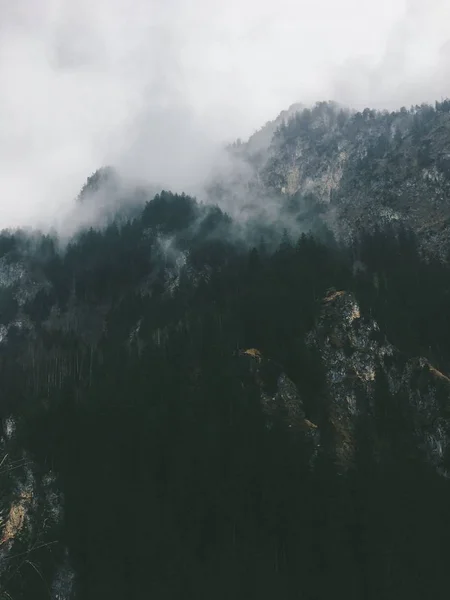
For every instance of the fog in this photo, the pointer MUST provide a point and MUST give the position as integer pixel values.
(158, 88)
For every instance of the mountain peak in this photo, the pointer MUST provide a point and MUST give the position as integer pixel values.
(105, 178)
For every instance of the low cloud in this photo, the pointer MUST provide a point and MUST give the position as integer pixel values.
(157, 88)
(414, 66)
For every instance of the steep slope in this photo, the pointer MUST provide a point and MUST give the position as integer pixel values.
(194, 405)
(357, 169)
(358, 359)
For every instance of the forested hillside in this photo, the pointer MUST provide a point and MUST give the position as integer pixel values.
(195, 406)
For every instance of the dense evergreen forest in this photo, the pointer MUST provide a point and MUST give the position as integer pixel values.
(197, 405)
(156, 472)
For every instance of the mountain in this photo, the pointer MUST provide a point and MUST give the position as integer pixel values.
(358, 169)
(255, 404)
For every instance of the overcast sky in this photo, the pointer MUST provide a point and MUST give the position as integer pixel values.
(152, 85)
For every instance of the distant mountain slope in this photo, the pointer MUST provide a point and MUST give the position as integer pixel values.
(360, 169)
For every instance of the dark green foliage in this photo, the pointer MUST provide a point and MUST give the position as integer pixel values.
(8, 305)
(168, 213)
(174, 486)
(407, 295)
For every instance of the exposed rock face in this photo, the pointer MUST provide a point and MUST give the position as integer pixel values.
(278, 392)
(353, 353)
(351, 356)
(31, 509)
(429, 394)
(359, 170)
(281, 398)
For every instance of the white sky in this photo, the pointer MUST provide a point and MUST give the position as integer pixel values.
(152, 85)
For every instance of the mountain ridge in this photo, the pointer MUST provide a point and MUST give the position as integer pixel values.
(360, 169)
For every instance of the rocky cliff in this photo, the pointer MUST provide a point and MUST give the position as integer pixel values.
(357, 169)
